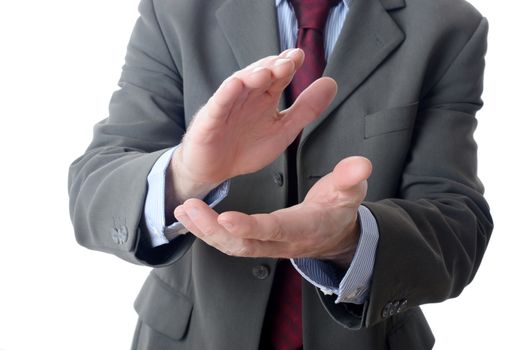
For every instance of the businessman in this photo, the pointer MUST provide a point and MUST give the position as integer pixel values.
(291, 198)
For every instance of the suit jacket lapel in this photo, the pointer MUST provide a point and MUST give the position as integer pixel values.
(251, 28)
(369, 35)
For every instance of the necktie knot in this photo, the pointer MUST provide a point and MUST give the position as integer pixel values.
(312, 14)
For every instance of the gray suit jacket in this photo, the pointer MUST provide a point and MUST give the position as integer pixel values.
(410, 79)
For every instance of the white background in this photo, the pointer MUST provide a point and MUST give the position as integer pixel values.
(59, 63)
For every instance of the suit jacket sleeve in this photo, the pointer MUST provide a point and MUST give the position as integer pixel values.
(108, 184)
(433, 237)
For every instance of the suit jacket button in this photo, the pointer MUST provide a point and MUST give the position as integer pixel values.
(260, 271)
(403, 305)
(278, 179)
(120, 234)
(386, 310)
(394, 308)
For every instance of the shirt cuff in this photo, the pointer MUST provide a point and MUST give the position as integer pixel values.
(353, 286)
(154, 214)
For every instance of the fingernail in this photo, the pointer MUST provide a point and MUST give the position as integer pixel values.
(227, 81)
(285, 53)
(182, 218)
(192, 213)
(258, 69)
(291, 53)
(179, 210)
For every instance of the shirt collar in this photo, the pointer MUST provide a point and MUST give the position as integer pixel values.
(346, 2)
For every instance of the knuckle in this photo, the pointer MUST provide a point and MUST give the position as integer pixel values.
(276, 233)
(243, 251)
(245, 248)
(228, 251)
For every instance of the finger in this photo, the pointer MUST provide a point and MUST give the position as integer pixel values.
(204, 224)
(235, 92)
(263, 62)
(235, 89)
(351, 171)
(263, 227)
(202, 216)
(283, 71)
(350, 177)
(271, 77)
(282, 68)
(284, 233)
(258, 79)
(249, 76)
(265, 249)
(309, 105)
(297, 55)
(284, 225)
(220, 104)
(202, 221)
(183, 218)
(284, 77)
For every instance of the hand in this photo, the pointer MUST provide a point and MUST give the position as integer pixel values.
(323, 226)
(240, 130)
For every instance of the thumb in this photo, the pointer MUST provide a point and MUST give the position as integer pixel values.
(350, 176)
(310, 104)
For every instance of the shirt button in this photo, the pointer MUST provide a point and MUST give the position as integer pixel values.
(260, 271)
(278, 179)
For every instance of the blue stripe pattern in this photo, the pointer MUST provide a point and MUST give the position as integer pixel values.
(288, 26)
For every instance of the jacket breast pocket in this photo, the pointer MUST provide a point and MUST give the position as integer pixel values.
(390, 120)
(163, 309)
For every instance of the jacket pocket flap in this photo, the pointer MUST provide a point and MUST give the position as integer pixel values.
(390, 120)
(163, 309)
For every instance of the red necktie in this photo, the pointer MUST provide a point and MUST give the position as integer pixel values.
(283, 323)
(311, 17)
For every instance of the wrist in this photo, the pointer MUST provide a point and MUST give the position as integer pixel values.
(180, 185)
(343, 257)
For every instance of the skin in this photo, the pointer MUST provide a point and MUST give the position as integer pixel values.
(240, 131)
